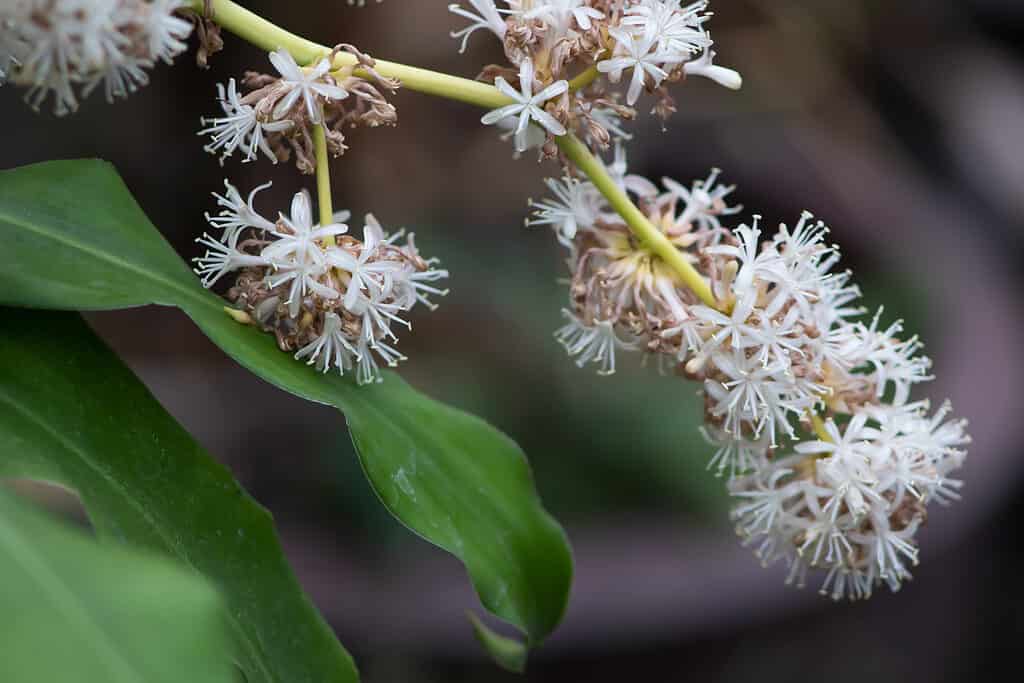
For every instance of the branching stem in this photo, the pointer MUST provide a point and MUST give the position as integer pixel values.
(268, 36)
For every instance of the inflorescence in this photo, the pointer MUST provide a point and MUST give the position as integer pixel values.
(277, 113)
(766, 325)
(328, 297)
(568, 56)
(784, 343)
(67, 48)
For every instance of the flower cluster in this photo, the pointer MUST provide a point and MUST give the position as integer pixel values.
(277, 113)
(568, 55)
(67, 48)
(328, 297)
(782, 344)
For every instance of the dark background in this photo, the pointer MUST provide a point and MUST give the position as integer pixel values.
(900, 124)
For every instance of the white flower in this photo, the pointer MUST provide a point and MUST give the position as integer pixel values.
(367, 371)
(619, 171)
(304, 83)
(753, 395)
(703, 66)
(593, 343)
(703, 202)
(528, 106)
(166, 31)
(489, 18)
(238, 214)
(413, 286)
(848, 465)
(734, 327)
(304, 276)
(733, 455)
(239, 127)
(640, 54)
(797, 266)
(678, 30)
(298, 241)
(369, 276)
(576, 205)
(331, 348)
(558, 14)
(378, 312)
(895, 362)
(777, 341)
(222, 258)
(752, 263)
(766, 497)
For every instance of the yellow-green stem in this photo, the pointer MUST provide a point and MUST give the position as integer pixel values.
(584, 79)
(264, 34)
(819, 426)
(323, 176)
(652, 238)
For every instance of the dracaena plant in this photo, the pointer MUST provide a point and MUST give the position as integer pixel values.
(807, 396)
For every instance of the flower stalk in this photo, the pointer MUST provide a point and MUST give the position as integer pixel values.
(267, 35)
(323, 178)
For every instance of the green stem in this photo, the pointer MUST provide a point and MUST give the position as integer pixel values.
(264, 34)
(653, 239)
(256, 30)
(584, 79)
(323, 176)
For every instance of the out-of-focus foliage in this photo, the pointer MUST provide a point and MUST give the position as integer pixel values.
(447, 475)
(78, 610)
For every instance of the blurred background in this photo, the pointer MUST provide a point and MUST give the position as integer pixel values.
(900, 124)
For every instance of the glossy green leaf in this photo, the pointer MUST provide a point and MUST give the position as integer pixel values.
(75, 238)
(77, 611)
(72, 413)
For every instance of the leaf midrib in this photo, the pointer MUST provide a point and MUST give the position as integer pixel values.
(110, 258)
(141, 509)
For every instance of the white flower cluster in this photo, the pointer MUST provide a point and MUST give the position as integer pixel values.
(551, 42)
(782, 344)
(656, 36)
(328, 297)
(69, 47)
(277, 114)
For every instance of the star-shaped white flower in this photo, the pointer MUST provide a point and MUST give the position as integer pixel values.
(527, 105)
(640, 54)
(239, 128)
(369, 275)
(298, 242)
(305, 84)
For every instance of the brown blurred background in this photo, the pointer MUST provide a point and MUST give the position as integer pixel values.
(901, 124)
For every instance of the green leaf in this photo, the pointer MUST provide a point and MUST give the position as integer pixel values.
(77, 611)
(72, 413)
(75, 239)
(509, 653)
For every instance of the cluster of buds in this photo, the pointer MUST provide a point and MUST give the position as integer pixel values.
(328, 297)
(276, 114)
(783, 345)
(69, 47)
(567, 56)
